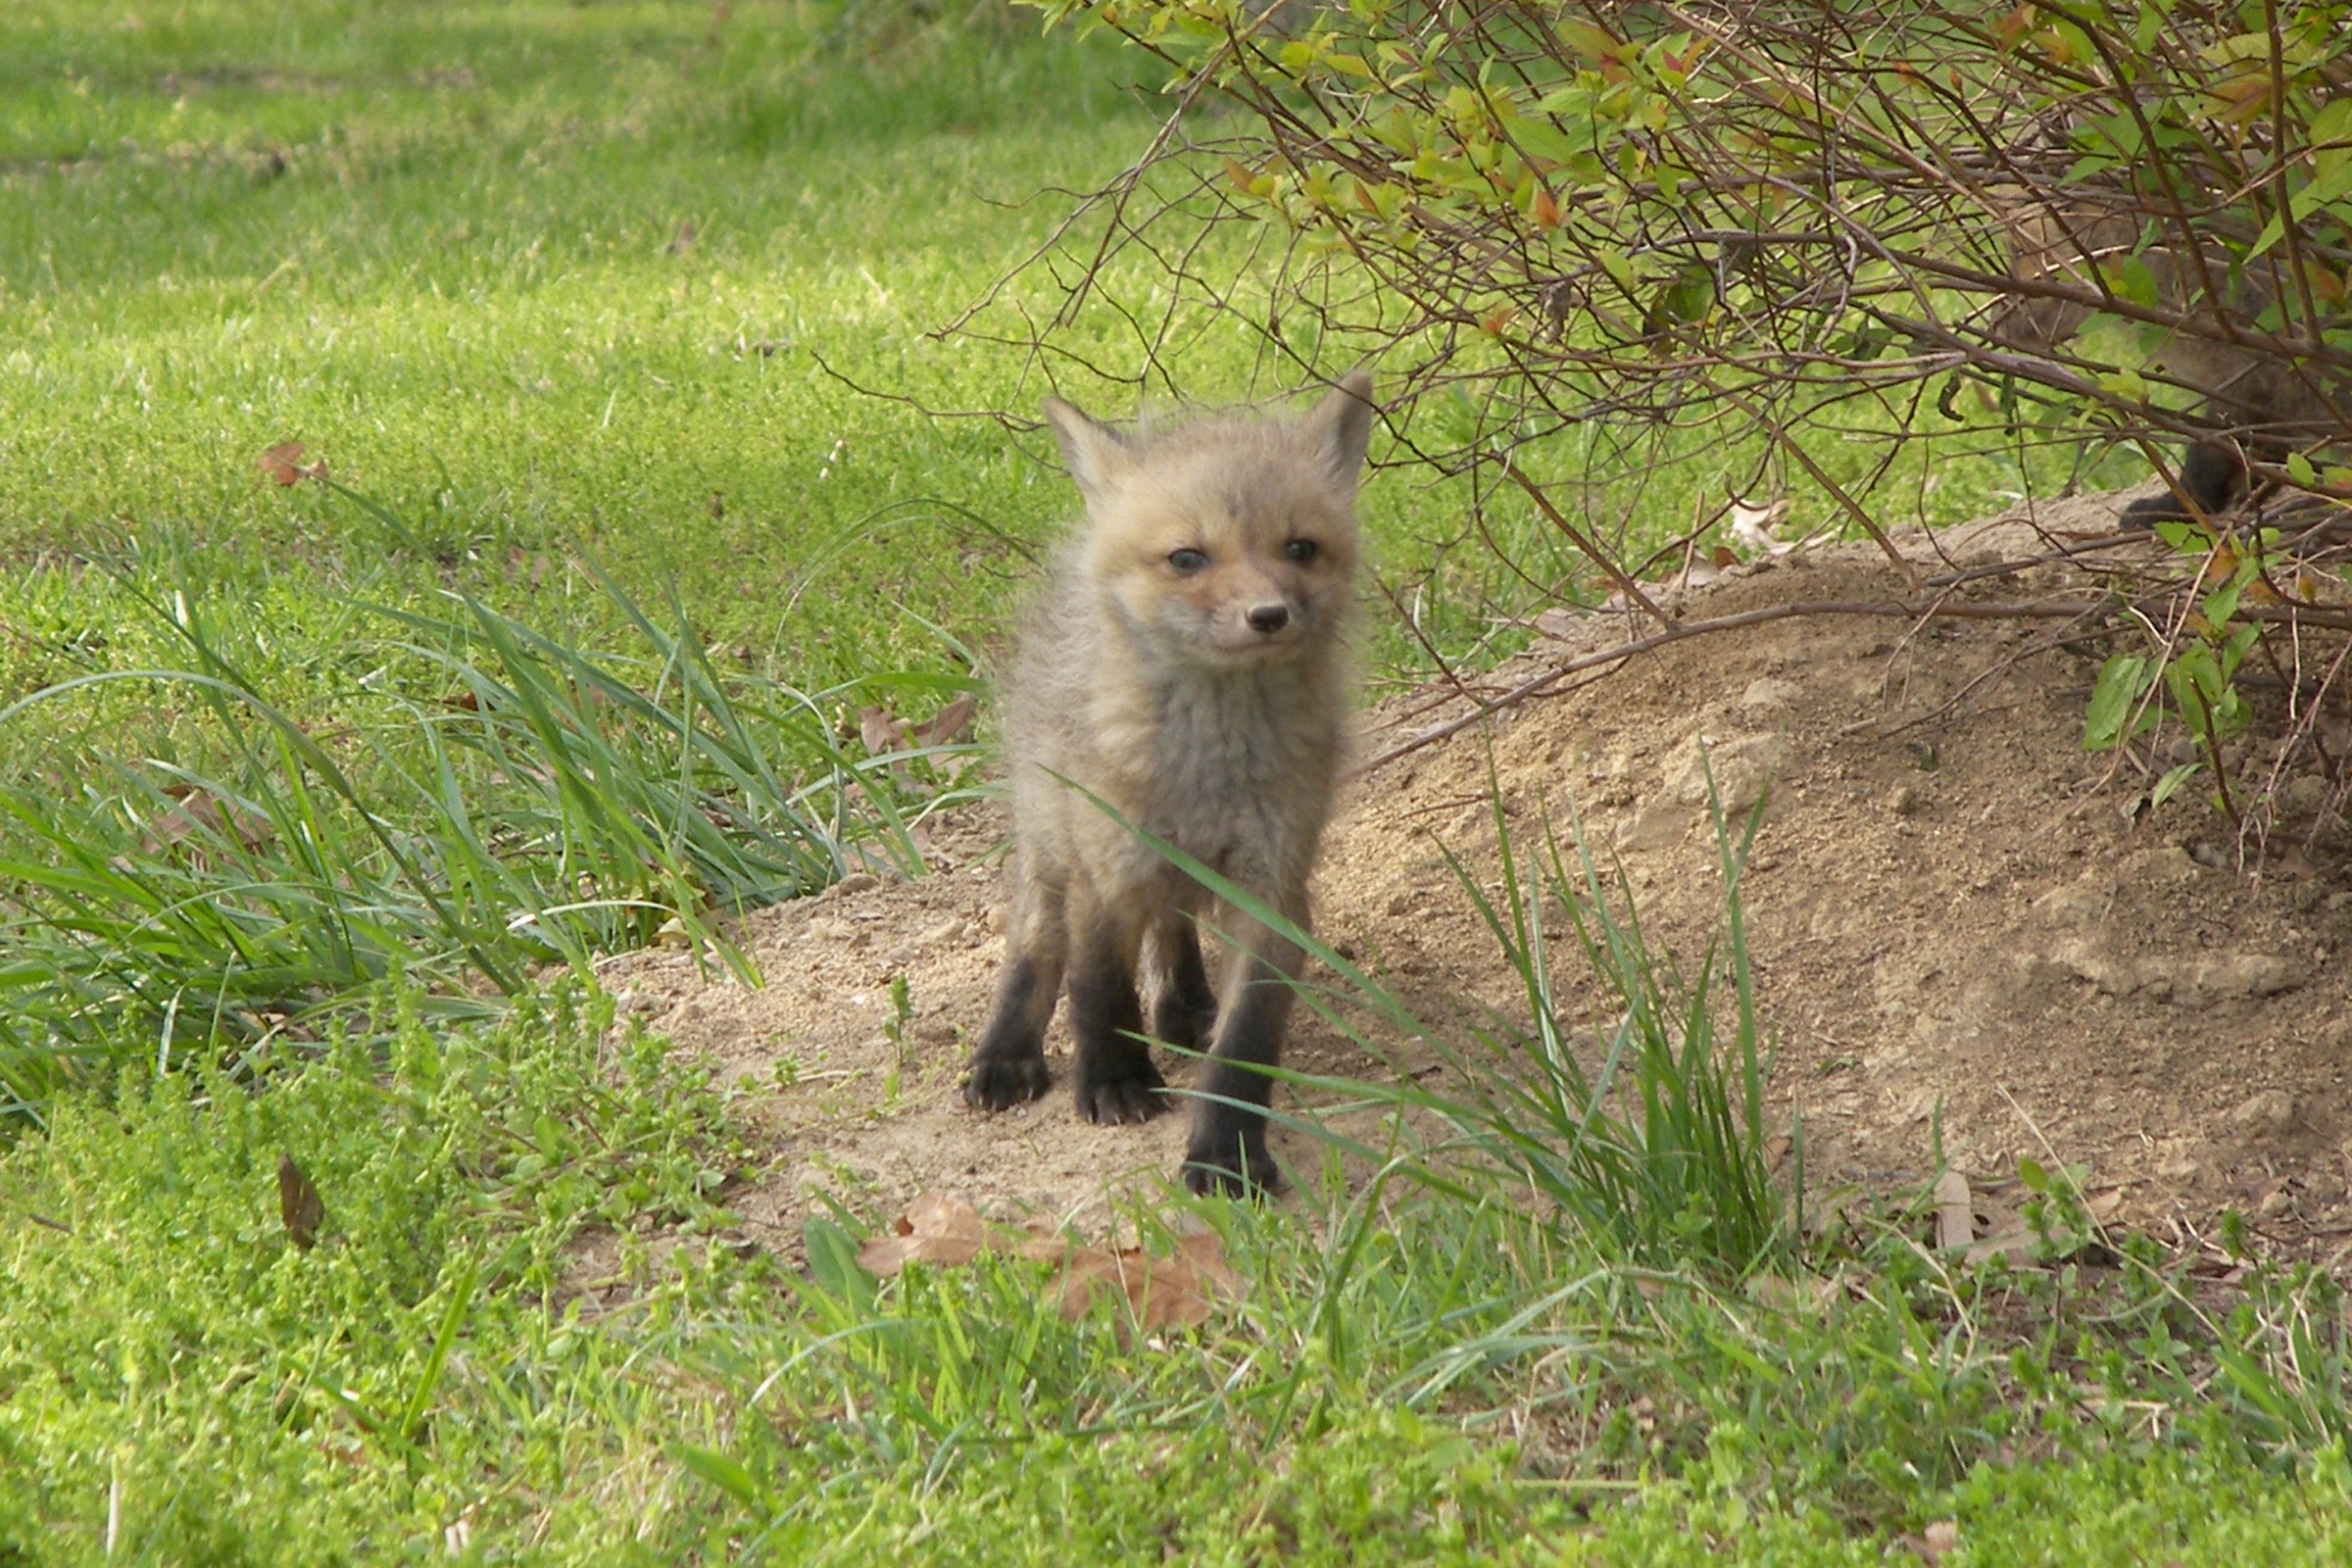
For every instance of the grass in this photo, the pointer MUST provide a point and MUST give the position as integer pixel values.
(1437, 1383)
(479, 799)
(319, 796)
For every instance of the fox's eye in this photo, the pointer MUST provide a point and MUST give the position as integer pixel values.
(1188, 559)
(1301, 550)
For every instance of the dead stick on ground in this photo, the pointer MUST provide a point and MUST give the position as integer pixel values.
(1906, 610)
(1676, 632)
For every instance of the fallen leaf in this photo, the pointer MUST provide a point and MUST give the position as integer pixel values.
(950, 723)
(2013, 1241)
(881, 733)
(1936, 1541)
(1178, 1291)
(283, 464)
(299, 1206)
(937, 1228)
(1207, 1254)
(1955, 1212)
(201, 813)
(1752, 526)
(1161, 1291)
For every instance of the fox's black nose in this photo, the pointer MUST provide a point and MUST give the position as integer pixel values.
(1269, 618)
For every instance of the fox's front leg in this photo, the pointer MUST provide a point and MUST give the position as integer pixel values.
(1228, 1152)
(1008, 1066)
(1185, 1009)
(1111, 1068)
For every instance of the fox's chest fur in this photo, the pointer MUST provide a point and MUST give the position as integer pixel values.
(1235, 768)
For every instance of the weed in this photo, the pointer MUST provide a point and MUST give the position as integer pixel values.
(486, 797)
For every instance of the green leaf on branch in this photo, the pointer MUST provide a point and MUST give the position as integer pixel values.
(2123, 682)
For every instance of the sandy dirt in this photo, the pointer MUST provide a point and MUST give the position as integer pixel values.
(1958, 916)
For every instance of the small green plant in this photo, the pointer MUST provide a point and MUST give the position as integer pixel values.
(2054, 1212)
(1661, 1146)
(1658, 1152)
(2191, 675)
(895, 1030)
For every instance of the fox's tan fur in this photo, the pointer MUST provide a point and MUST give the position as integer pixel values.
(1187, 667)
(2260, 402)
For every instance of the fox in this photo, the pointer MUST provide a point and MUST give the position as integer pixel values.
(2262, 404)
(1188, 666)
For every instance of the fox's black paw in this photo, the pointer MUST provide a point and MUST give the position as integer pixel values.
(1134, 1094)
(1228, 1161)
(999, 1083)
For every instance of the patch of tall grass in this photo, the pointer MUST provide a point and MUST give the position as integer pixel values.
(481, 797)
(1660, 1151)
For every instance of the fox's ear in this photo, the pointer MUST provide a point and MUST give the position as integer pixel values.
(1095, 454)
(1340, 426)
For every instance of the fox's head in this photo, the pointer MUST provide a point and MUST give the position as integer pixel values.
(1230, 542)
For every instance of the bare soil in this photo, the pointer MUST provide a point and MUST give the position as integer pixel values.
(1959, 919)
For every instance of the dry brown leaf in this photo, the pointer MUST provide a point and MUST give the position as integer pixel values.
(950, 723)
(199, 813)
(2013, 1241)
(299, 1206)
(1174, 1292)
(1207, 1254)
(1751, 528)
(1935, 1542)
(937, 1228)
(283, 465)
(1055, 1249)
(1955, 1212)
(1178, 1291)
(880, 731)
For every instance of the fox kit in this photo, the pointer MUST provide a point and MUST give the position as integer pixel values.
(1187, 667)
(2260, 401)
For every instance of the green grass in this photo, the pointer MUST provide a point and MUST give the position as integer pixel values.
(306, 786)
(1432, 1382)
(466, 289)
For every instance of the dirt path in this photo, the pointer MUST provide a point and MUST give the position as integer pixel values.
(1953, 919)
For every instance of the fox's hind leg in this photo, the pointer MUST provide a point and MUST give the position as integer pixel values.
(1227, 1152)
(1184, 1010)
(1112, 1067)
(1008, 1066)
(2211, 476)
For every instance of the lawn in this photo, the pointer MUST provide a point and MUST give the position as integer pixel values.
(573, 302)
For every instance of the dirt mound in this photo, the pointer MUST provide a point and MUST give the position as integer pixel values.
(1957, 917)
